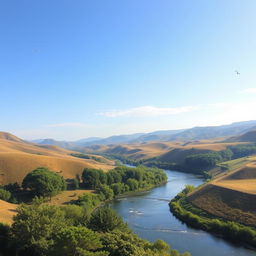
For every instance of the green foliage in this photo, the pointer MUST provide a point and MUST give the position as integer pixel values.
(5, 237)
(12, 187)
(76, 241)
(89, 201)
(5, 195)
(43, 182)
(105, 219)
(199, 219)
(243, 150)
(80, 155)
(105, 192)
(84, 156)
(93, 178)
(119, 243)
(161, 246)
(203, 161)
(133, 184)
(76, 215)
(75, 184)
(134, 178)
(119, 188)
(34, 226)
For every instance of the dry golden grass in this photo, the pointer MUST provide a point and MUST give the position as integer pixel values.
(245, 185)
(7, 211)
(162, 149)
(18, 157)
(231, 195)
(211, 146)
(68, 196)
(226, 203)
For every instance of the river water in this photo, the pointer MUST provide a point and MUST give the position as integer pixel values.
(148, 215)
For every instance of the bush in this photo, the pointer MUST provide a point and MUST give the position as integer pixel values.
(105, 219)
(190, 215)
(43, 182)
(34, 226)
(76, 241)
(106, 192)
(5, 195)
(132, 178)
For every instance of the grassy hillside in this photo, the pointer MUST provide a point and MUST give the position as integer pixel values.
(7, 211)
(172, 152)
(247, 137)
(230, 196)
(18, 157)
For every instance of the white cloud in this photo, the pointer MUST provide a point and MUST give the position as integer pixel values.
(67, 125)
(148, 111)
(249, 90)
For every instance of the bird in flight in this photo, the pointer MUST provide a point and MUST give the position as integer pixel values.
(238, 73)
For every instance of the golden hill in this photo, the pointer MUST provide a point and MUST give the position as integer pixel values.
(7, 211)
(231, 196)
(18, 157)
(166, 151)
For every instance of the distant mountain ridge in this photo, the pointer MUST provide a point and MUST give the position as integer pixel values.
(195, 133)
(246, 137)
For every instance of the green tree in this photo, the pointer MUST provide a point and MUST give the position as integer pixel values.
(78, 241)
(75, 214)
(93, 178)
(133, 184)
(105, 219)
(34, 226)
(106, 192)
(43, 182)
(161, 246)
(5, 195)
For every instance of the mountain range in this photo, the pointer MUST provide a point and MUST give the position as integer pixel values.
(191, 134)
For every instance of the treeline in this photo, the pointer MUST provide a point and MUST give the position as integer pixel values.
(85, 156)
(243, 150)
(202, 162)
(120, 159)
(123, 179)
(196, 218)
(46, 230)
(84, 228)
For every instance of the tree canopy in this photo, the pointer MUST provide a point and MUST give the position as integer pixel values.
(43, 182)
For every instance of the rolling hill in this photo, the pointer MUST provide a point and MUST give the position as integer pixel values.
(18, 157)
(182, 135)
(246, 137)
(230, 196)
(7, 211)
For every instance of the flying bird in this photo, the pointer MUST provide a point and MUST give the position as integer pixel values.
(238, 73)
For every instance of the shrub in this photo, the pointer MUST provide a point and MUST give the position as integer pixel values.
(5, 195)
(43, 182)
(105, 219)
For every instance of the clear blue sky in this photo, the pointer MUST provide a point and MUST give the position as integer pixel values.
(71, 69)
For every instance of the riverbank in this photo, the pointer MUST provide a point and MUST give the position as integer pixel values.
(197, 218)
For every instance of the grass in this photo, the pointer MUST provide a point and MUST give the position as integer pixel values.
(68, 196)
(234, 164)
(18, 157)
(231, 195)
(7, 211)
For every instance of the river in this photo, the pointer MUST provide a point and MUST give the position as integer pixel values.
(148, 215)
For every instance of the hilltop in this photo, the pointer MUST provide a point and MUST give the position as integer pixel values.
(230, 196)
(246, 137)
(182, 135)
(18, 157)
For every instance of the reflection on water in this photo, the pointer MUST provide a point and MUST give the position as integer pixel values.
(147, 213)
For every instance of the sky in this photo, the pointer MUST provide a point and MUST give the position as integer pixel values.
(72, 69)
